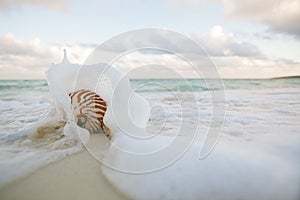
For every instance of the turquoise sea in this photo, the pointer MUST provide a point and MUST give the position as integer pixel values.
(10, 88)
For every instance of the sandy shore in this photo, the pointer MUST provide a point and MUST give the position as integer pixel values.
(77, 176)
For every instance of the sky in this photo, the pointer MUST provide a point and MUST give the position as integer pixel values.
(244, 39)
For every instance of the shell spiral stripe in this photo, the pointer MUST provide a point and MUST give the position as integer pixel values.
(89, 109)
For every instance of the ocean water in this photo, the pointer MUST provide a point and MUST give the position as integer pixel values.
(260, 138)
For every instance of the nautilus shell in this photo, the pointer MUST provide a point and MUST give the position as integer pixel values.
(89, 109)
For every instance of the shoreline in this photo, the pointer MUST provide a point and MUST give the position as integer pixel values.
(78, 176)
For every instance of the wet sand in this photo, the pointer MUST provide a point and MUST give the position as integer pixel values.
(75, 177)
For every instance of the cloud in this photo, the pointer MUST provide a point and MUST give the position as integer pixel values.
(148, 38)
(9, 45)
(234, 58)
(249, 67)
(219, 43)
(22, 59)
(145, 65)
(30, 59)
(216, 42)
(280, 16)
(6, 5)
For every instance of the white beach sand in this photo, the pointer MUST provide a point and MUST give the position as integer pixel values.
(77, 176)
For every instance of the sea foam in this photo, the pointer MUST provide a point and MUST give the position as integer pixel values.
(166, 164)
(126, 109)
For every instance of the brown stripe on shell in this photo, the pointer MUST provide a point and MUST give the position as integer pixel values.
(89, 109)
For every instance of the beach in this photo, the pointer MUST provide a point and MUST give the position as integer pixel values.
(74, 177)
(256, 156)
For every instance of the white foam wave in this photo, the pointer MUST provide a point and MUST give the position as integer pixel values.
(126, 110)
(32, 135)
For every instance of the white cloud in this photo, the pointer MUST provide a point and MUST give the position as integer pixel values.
(216, 41)
(279, 15)
(21, 59)
(10, 45)
(157, 65)
(148, 38)
(236, 58)
(219, 43)
(6, 5)
(249, 67)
